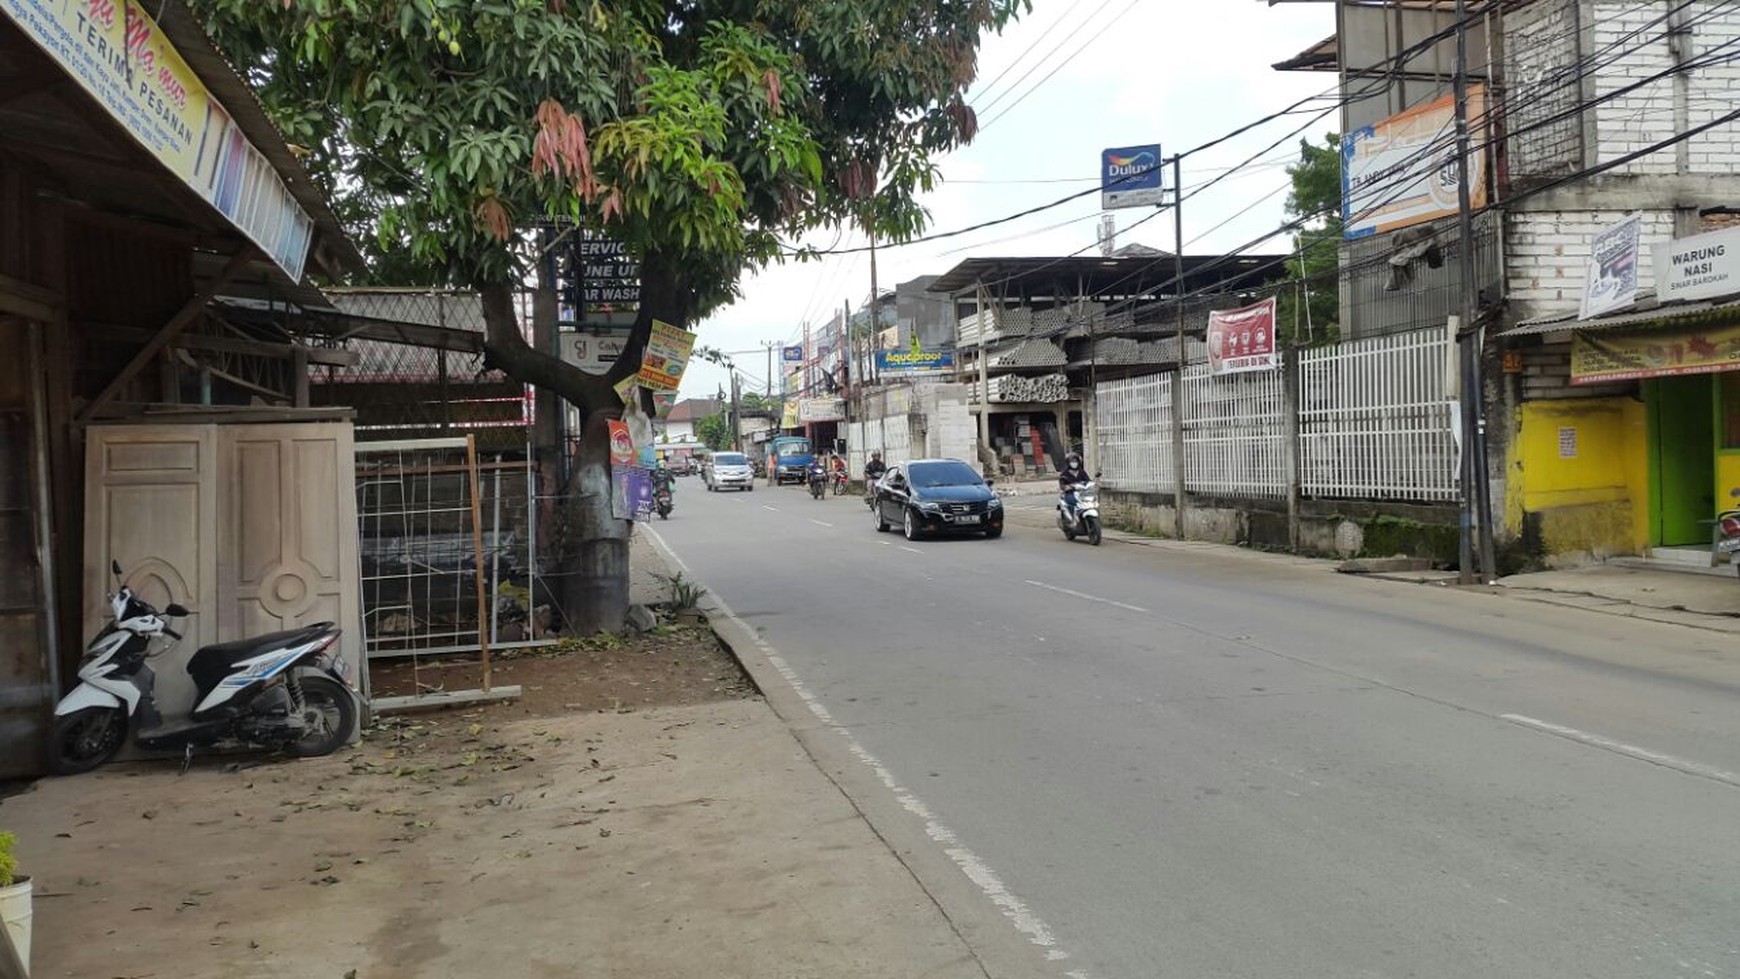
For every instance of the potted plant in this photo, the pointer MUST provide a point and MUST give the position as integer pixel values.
(14, 900)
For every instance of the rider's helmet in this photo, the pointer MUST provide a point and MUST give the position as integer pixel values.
(877, 454)
(1072, 461)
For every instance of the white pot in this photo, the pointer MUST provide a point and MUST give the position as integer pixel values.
(15, 915)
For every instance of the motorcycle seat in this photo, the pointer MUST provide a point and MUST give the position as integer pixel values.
(212, 663)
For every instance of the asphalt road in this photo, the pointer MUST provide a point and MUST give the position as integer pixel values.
(1180, 760)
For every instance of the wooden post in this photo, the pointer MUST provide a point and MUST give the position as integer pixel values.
(477, 549)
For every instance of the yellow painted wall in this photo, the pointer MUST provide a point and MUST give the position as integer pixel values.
(1594, 500)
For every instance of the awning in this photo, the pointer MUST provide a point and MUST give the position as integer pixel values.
(1646, 313)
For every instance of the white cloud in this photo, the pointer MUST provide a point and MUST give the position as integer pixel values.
(1176, 72)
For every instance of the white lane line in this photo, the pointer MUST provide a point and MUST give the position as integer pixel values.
(1019, 914)
(1086, 597)
(820, 523)
(913, 550)
(771, 509)
(1641, 754)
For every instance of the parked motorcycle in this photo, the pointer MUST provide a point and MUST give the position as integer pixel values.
(1083, 520)
(818, 481)
(663, 502)
(839, 482)
(1728, 522)
(285, 690)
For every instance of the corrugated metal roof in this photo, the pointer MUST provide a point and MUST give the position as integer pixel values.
(1645, 312)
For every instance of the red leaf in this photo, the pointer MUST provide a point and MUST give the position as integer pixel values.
(771, 79)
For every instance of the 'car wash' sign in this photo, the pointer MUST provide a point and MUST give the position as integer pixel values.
(1699, 267)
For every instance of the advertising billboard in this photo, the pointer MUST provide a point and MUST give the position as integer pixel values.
(592, 354)
(1610, 277)
(793, 354)
(1700, 267)
(1131, 176)
(914, 362)
(1402, 171)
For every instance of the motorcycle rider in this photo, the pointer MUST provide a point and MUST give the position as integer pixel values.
(818, 471)
(875, 468)
(664, 479)
(1072, 476)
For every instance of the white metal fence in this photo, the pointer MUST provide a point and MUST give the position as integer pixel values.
(1374, 423)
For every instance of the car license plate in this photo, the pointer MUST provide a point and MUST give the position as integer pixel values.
(967, 518)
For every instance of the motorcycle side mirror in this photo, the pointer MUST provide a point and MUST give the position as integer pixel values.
(115, 567)
(1097, 475)
(990, 480)
(176, 611)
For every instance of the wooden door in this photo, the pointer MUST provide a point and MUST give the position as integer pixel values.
(26, 680)
(287, 544)
(152, 504)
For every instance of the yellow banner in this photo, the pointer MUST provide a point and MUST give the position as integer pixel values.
(667, 354)
(1597, 358)
(789, 417)
(118, 54)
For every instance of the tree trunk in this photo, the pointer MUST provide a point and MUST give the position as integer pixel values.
(592, 546)
(595, 556)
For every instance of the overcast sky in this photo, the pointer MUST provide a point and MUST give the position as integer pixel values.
(1174, 72)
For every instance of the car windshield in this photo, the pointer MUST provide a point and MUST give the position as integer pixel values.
(729, 459)
(932, 474)
(797, 448)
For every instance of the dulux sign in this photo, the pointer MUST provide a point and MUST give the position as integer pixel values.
(1700, 267)
(1130, 176)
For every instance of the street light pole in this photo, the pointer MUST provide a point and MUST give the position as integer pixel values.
(1476, 491)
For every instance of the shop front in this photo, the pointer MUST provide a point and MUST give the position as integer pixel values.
(1630, 442)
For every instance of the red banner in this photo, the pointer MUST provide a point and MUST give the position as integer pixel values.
(1242, 339)
(621, 445)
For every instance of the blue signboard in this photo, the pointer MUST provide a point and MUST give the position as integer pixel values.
(793, 355)
(1131, 176)
(905, 363)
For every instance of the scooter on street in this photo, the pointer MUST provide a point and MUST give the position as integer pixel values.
(840, 482)
(663, 501)
(818, 481)
(1082, 520)
(1728, 524)
(286, 690)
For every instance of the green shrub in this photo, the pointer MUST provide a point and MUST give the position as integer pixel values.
(8, 860)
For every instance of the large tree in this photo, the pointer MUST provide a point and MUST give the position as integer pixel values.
(1314, 203)
(706, 135)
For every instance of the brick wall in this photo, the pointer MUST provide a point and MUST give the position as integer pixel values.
(1629, 47)
(1547, 376)
(1546, 252)
(1541, 58)
(1711, 90)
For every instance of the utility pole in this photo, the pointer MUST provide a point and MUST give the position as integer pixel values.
(1178, 377)
(1476, 490)
(875, 299)
(736, 413)
(769, 344)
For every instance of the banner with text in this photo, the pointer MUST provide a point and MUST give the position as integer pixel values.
(119, 55)
(1610, 275)
(1700, 267)
(1597, 358)
(911, 363)
(667, 354)
(1242, 339)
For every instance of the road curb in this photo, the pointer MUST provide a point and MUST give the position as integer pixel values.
(1001, 951)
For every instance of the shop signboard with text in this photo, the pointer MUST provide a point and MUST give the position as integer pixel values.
(1610, 275)
(1243, 339)
(667, 355)
(812, 410)
(914, 362)
(592, 353)
(1700, 267)
(1600, 357)
(118, 54)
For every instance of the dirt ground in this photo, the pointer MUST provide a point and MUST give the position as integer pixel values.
(641, 813)
(672, 666)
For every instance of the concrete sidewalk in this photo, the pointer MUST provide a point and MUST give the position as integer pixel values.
(673, 842)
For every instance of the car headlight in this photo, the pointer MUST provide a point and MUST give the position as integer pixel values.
(928, 506)
(996, 503)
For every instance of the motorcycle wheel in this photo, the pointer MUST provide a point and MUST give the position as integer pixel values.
(1063, 525)
(330, 715)
(84, 739)
(1093, 530)
(664, 514)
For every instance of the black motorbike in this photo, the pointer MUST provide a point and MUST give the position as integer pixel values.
(663, 502)
(818, 482)
(287, 690)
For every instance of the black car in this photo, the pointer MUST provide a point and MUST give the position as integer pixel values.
(936, 496)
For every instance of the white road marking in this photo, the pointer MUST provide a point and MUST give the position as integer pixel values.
(772, 509)
(1641, 754)
(1086, 597)
(820, 523)
(992, 886)
(913, 550)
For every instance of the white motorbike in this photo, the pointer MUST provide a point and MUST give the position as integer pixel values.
(1082, 520)
(287, 690)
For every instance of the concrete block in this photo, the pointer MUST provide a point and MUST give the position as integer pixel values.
(1384, 565)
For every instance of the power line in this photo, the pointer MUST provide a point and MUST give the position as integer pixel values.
(1060, 66)
(1047, 56)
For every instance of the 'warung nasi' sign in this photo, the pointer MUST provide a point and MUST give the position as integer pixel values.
(118, 54)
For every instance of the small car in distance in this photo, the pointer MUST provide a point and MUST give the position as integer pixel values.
(728, 470)
(936, 496)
